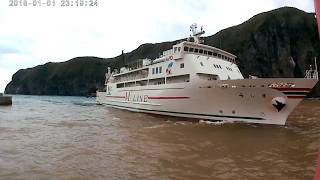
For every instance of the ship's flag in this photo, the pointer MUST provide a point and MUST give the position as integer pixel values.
(317, 8)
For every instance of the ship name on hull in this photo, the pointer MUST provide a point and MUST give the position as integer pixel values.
(136, 97)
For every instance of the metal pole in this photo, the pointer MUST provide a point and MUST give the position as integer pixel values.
(316, 67)
(315, 63)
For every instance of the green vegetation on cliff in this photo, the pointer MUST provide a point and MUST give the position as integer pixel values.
(278, 43)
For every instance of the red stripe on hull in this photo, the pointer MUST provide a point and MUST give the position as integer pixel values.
(168, 97)
(293, 89)
(295, 97)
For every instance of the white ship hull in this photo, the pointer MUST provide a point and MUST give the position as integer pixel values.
(194, 80)
(210, 101)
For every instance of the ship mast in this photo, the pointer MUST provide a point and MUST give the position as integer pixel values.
(196, 34)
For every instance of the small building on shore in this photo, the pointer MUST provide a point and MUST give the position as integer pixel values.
(5, 100)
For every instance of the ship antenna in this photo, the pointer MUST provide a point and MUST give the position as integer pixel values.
(196, 34)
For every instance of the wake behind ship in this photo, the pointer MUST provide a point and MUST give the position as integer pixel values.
(194, 80)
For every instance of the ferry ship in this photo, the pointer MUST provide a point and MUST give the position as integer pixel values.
(194, 80)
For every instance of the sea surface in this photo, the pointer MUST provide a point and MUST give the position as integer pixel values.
(49, 137)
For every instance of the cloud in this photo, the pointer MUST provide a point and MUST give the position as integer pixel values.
(8, 50)
(5, 77)
(306, 5)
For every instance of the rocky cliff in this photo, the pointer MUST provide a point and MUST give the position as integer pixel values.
(278, 43)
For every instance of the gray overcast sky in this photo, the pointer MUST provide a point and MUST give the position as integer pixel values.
(30, 36)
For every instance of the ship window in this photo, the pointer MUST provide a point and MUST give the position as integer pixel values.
(156, 70)
(190, 49)
(264, 95)
(209, 77)
(182, 65)
(157, 81)
(120, 85)
(219, 55)
(141, 83)
(175, 49)
(186, 48)
(210, 53)
(178, 79)
(214, 65)
(222, 56)
(215, 54)
(160, 70)
(201, 63)
(196, 50)
(179, 49)
(152, 70)
(201, 51)
(205, 52)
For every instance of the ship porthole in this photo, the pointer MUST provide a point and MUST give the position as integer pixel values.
(221, 111)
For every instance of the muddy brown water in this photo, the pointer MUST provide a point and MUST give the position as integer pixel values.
(44, 137)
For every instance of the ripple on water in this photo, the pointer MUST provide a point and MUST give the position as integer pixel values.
(45, 137)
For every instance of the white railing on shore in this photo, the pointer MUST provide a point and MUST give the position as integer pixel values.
(312, 74)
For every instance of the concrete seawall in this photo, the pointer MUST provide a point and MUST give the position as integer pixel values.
(5, 100)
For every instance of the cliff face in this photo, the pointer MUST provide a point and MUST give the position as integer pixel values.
(78, 76)
(278, 43)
